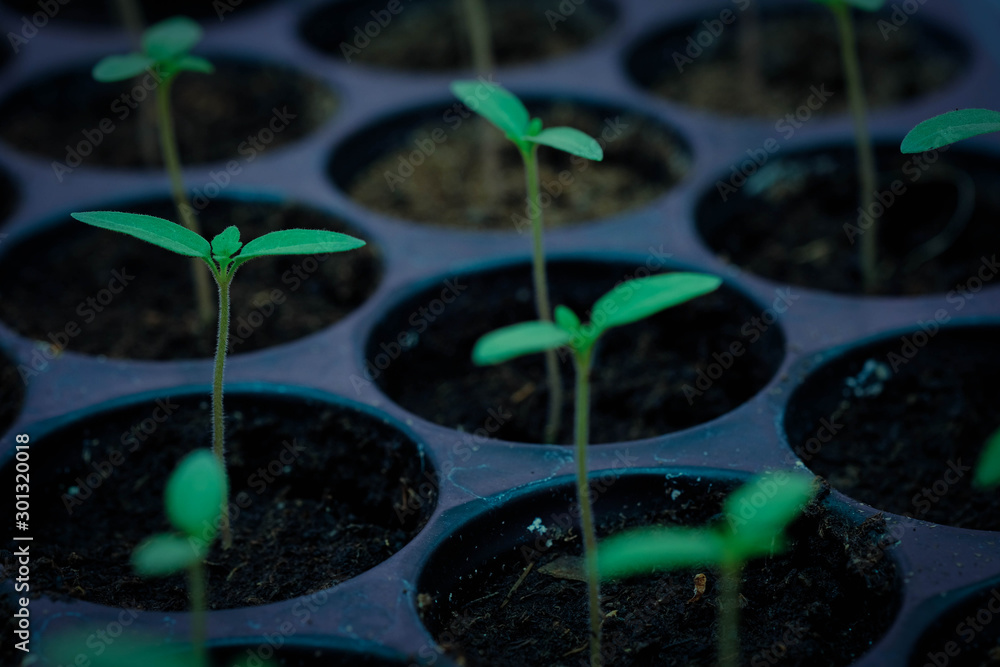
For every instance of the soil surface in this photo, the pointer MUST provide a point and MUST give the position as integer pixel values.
(897, 65)
(649, 378)
(102, 11)
(900, 425)
(239, 112)
(456, 185)
(273, 300)
(977, 643)
(522, 31)
(821, 603)
(316, 492)
(796, 220)
(11, 393)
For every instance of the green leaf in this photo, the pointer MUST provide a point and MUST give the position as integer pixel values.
(866, 5)
(950, 127)
(760, 509)
(633, 300)
(495, 104)
(988, 470)
(645, 550)
(119, 68)
(193, 64)
(517, 340)
(195, 493)
(298, 242)
(171, 38)
(167, 553)
(64, 648)
(227, 243)
(566, 319)
(160, 232)
(569, 140)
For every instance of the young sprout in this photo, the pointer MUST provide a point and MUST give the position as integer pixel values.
(224, 255)
(504, 110)
(166, 51)
(751, 530)
(629, 302)
(194, 496)
(950, 127)
(867, 179)
(988, 469)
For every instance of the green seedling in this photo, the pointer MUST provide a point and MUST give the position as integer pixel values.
(629, 302)
(504, 110)
(867, 176)
(751, 530)
(165, 51)
(194, 496)
(988, 469)
(224, 255)
(950, 127)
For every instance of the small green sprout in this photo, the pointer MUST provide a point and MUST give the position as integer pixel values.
(166, 50)
(504, 110)
(629, 302)
(950, 127)
(988, 469)
(867, 176)
(224, 255)
(194, 496)
(751, 530)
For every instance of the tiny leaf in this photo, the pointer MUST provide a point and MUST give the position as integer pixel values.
(119, 68)
(633, 300)
(566, 319)
(160, 232)
(167, 553)
(63, 648)
(988, 470)
(517, 340)
(171, 38)
(656, 548)
(195, 493)
(950, 127)
(569, 140)
(495, 104)
(760, 509)
(866, 5)
(298, 242)
(193, 64)
(227, 243)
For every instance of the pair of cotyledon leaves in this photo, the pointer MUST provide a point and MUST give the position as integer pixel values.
(165, 46)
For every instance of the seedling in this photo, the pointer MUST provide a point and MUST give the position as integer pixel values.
(629, 302)
(224, 255)
(950, 127)
(988, 469)
(194, 496)
(165, 51)
(504, 110)
(867, 179)
(751, 530)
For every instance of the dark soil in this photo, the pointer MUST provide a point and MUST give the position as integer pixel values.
(960, 635)
(274, 300)
(906, 442)
(239, 112)
(11, 393)
(522, 31)
(823, 602)
(897, 65)
(301, 657)
(316, 492)
(103, 11)
(456, 186)
(796, 220)
(649, 378)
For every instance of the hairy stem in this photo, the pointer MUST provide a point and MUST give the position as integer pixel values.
(218, 415)
(729, 615)
(199, 631)
(171, 158)
(866, 152)
(542, 304)
(583, 360)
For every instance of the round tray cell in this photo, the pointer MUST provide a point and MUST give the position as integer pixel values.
(499, 591)
(36, 15)
(12, 385)
(679, 368)
(394, 34)
(739, 59)
(964, 634)
(315, 493)
(899, 424)
(434, 166)
(796, 219)
(240, 112)
(109, 294)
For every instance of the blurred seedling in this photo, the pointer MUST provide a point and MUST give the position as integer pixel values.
(629, 302)
(504, 110)
(166, 53)
(751, 530)
(223, 256)
(987, 473)
(950, 127)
